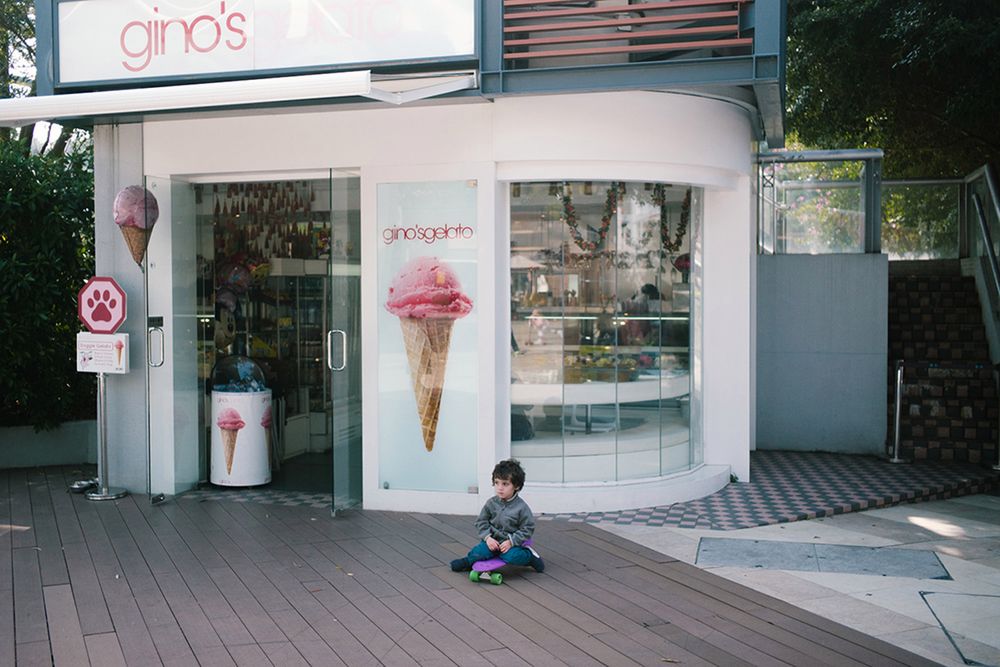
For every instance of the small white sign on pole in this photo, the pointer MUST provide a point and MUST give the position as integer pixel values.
(102, 353)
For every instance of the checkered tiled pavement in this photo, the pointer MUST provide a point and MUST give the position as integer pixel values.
(785, 486)
(264, 496)
(791, 486)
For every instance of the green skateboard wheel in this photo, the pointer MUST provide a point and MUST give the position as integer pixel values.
(473, 576)
(496, 578)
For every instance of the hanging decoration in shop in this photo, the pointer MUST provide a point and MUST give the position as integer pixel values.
(659, 198)
(565, 194)
(614, 193)
(136, 211)
(269, 219)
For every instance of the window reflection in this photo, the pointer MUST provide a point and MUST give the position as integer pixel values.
(600, 329)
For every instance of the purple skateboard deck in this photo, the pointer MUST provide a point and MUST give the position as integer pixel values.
(486, 569)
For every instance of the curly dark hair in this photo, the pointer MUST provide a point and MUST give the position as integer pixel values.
(510, 469)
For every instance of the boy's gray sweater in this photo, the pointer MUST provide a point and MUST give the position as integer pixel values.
(511, 520)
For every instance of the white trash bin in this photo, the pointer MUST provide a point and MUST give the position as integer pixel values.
(241, 438)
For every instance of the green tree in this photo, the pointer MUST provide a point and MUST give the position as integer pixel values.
(46, 248)
(915, 78)
(46, 241)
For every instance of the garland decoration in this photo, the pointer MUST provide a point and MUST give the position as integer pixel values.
(616, 190)
(659, 198)
(614, 194)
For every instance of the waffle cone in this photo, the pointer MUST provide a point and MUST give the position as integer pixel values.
(137, 240)
(427, 342)
(229, 447)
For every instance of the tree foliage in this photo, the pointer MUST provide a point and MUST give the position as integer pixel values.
(915, 78)
(46, 248)
(46, 241)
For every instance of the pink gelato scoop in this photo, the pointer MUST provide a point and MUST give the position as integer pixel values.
(426, 287)
(119, 345)
(135, 206)
(265, 419)
(230, 419)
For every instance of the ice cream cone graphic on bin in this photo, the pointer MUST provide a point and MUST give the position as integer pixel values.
(136, 211)
(119, 346)
(229, 423)
(427, 298)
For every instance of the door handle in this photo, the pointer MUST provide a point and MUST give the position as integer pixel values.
(149, 346)
(343, 349)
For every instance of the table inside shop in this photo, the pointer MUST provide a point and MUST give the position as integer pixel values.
(670, 384)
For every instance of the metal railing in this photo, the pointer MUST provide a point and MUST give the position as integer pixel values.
(819, 202)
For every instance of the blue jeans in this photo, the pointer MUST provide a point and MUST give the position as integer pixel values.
(514, 555)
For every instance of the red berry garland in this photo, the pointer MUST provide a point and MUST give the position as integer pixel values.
(610, 208)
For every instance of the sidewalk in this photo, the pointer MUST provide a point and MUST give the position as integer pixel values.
(924, 576)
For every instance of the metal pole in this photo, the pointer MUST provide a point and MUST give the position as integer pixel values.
(899, 412)
(103, 491)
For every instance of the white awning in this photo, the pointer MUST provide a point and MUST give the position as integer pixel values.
(26, 110)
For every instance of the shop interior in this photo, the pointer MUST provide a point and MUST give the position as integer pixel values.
(278, 267)
(601, 332)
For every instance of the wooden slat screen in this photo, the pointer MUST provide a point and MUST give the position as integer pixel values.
(639, 31)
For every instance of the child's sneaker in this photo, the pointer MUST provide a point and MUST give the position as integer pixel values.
(538, 564)
(461, 565)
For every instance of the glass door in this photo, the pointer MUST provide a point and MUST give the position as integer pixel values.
(159, 226)
(343, 338)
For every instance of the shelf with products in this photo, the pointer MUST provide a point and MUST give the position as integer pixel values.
(285, 325)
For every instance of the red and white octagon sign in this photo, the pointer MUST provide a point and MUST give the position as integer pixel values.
(100, 305)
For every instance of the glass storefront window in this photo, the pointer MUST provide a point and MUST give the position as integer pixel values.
(601, 329)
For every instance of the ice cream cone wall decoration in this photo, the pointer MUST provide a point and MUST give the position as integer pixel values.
(136, 211)
(229, 423)
(427, 298)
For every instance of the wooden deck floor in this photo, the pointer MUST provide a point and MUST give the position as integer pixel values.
(223, 583)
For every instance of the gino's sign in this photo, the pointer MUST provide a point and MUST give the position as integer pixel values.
(108, 41)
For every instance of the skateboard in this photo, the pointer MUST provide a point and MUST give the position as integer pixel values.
(486, 570)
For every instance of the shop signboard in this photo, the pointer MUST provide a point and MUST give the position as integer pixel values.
(100, 305)
(110, 41)
(102, 353)
(427, 344)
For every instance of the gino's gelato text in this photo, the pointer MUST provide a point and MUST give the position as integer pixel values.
(426, 234)
(140, 41)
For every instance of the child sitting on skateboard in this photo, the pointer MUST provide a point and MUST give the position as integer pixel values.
(504, 523)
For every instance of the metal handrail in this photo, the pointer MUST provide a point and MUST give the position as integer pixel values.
(898, 405)
(984, 230)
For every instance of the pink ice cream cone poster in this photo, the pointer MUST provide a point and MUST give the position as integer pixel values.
(240, 441)
(428, 336)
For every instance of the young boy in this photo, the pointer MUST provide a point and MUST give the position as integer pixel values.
(504, 523)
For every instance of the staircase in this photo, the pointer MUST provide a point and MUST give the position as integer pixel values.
(949, 393)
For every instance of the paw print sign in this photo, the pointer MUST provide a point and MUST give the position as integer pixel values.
(100, 305)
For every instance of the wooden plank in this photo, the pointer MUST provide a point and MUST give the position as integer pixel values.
(501, 631)
(634, 48)
(91, 607)
(34, 653)
(51, 563)
(285, 654)
(68, 647)
(607, 9)
(615, 36)
(132, 635)
(455, 648)
(249, 655)
(23, 533)
(322, 622)
(632, 20)
(62, 506)
(29, 605)
(318, 652)
(104, 650)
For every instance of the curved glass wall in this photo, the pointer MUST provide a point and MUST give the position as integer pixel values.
(601, 329)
